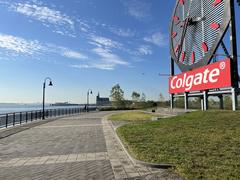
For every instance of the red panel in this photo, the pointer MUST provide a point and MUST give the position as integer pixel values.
(216, 2)
(193, 57)
(177, 48)
(181, 2)
(183, 56)
(215, 25)
(205, 47)
(175, 19)
(212, 76)
(174, 34)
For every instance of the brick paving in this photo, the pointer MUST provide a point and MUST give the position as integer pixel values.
(77, 147)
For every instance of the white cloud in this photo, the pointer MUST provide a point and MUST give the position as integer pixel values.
(51, 18)
(73, 54)
(104, 66)
(94, 66)
(104, 42)
(138, 9)
(157, 38)
(104, 46)
(64, 51)
(20, 45)
(43, 14)
(84, 27)
(108, 57)
(122, 32)
(144, 50)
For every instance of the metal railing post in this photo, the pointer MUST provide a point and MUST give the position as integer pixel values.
(13, 119)
(31, 116)
(26, 117)
(20, 117)
(6, 120)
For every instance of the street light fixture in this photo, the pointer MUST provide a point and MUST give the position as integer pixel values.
(44, 86)
(89, 91)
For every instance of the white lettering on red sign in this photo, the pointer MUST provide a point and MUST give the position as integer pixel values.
(215, 75)
(200, 78)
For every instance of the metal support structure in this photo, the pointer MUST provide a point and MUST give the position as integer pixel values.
(202, 104)
(234, 56)
(225, 49)
(221, 106)
(234, 100)
(172, 101)
(186, 101)
(205, 100)
(233, 43)
(172, 73)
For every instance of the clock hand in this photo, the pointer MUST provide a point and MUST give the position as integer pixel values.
(183, 37)
(184, 30)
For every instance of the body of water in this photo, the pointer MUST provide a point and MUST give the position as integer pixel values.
(9, 108)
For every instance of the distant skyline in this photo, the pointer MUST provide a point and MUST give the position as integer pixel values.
(84, 44)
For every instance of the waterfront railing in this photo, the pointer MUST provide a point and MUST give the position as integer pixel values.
(18, 118)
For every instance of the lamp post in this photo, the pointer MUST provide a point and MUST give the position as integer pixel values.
(44, 86)
(89, 91)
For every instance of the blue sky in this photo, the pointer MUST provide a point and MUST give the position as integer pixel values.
(83, 44)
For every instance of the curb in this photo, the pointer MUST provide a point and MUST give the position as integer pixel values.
(135, 161)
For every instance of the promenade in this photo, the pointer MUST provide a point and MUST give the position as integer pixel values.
(77, 147)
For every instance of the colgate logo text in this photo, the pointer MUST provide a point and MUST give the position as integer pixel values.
(215, 75)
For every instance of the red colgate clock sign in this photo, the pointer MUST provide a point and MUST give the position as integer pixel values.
(212, 76)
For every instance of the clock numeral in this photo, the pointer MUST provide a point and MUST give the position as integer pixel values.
(174, 34)
(181, 2)
(215, 25)
(183, 56)
(177, 48)
(205, 47)
(216, 2)
(175, 19)
(193, 57)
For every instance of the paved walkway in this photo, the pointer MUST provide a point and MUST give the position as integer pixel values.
(77, 147)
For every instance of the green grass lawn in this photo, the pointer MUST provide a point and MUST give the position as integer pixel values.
(201, 145)
(131, 116)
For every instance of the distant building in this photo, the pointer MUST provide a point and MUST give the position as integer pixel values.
(100, 101)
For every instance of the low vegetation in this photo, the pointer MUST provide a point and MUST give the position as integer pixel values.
(201, 145)
(132, 116)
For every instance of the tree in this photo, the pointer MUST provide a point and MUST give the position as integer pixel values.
(143, 98)
(117, 96)
(135, 96)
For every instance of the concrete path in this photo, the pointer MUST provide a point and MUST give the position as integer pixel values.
(77, 147)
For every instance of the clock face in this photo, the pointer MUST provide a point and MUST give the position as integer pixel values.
(197, 28)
